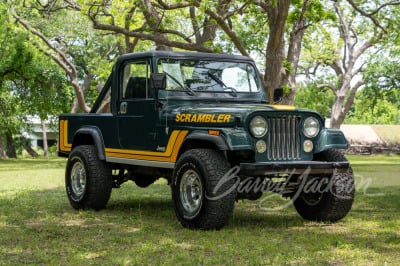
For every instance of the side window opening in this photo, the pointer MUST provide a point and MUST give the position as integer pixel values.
(105, 106)
(135, 82)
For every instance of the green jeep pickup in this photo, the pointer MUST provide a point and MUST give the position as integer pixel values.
(204, 123)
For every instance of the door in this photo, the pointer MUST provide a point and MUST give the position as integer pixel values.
(137, 115)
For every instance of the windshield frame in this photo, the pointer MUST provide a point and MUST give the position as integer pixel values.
(255, 86)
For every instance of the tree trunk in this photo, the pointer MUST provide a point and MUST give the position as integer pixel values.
(2, 152)
(293, 55)
(11, 152)
(79, 96)
(337, 115)
(275, 52)
(44, 136)
(28, 148)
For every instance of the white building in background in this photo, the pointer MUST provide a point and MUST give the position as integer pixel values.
(34, 132)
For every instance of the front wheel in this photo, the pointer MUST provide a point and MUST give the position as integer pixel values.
(336, 198)
(88, 180)
(202, 192)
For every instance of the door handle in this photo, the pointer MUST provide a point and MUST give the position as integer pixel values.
(123, 108)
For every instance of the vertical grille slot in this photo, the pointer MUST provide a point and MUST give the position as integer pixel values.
(283, 140)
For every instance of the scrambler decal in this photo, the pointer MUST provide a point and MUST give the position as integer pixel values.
(202, 118)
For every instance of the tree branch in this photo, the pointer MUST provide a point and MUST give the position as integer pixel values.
(64, 63)
(151, 37)
(59, 57)
(232, 35)
(166, 6)
(326, 86)
(195, 26)
(371, 14)
(350, 99)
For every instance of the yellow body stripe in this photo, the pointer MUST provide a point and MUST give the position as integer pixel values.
(169, 155)
(282, 106)
(64, 145)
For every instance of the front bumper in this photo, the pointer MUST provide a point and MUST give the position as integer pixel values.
(293, 167)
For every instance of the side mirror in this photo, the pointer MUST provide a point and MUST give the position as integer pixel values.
(278, 95)
(158, 81)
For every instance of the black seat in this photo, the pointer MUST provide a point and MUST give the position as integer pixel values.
(136, 88)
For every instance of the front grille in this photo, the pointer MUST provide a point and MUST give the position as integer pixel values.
(283, 139)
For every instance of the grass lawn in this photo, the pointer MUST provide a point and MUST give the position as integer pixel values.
(38, 226)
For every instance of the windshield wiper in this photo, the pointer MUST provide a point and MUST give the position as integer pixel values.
(220, 82)
(187, 89)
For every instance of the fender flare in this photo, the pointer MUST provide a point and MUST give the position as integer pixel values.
(96, 136)
(218, 141)
(331, 138)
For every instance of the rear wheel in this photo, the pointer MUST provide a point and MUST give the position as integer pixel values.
(88, 180)
(201, 199)
(336, 198)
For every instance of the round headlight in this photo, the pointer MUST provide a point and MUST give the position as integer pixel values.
(311, 127)
(258, 126)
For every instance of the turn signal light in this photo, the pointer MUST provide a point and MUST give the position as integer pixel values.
(213, 132)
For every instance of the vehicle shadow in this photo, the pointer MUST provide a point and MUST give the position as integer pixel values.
(155, 206)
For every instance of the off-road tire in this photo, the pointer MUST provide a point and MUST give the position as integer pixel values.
(336, 202)
(215, 208)
(88, 180)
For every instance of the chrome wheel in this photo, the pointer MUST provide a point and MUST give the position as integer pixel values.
(191, 193)
(197, 174)
(78, 178)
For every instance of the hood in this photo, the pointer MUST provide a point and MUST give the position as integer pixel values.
(223, 114)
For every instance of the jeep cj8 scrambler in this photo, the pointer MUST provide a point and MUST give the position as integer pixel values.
(203, 122)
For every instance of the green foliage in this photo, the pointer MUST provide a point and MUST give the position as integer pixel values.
(316, 12)
(36, 84)
(90, 52)
(13, 57)
(251, 29)
(30, 84)
(14, 54)
(383, 70)
(374, 107)
(311, 97)
(320, 47)
(11, 115)
(45, 90)
(379, 101)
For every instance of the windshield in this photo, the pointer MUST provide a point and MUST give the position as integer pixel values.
(209, 76)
